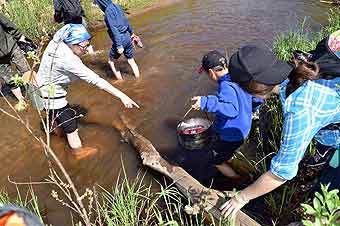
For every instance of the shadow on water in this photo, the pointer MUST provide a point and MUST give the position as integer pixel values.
(175, 38)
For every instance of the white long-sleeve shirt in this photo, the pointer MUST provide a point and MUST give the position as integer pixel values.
(59, 67)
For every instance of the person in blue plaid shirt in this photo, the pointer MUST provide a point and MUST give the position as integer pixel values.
(310, 106)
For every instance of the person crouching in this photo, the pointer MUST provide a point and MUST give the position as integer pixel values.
(233, 109)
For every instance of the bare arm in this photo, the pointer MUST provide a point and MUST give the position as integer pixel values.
(263, 185)
(86, 74)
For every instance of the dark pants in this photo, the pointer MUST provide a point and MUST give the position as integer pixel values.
(223, 150)
(65, 117)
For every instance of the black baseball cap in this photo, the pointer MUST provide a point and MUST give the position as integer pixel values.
(211, 60)
(255, 62)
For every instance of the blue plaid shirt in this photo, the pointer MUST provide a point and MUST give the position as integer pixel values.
(307, 110)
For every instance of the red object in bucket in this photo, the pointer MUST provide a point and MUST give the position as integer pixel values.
(193, 130)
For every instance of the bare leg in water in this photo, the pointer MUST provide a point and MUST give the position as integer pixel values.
(116, 72)
(134, 67)
(77, 148)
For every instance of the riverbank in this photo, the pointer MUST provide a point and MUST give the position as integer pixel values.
(131, 10)
(34, 18)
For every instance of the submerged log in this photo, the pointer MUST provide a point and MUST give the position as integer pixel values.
(208, 200)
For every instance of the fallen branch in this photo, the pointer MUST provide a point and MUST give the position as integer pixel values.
(207, 199)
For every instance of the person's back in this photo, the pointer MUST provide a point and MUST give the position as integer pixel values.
(9, 35)
(68, 11)
(115, 16)
(320, 99)
(233, 126)
(121, 34)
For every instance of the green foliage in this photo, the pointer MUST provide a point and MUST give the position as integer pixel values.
(333, 21)
(33, 17)
(284, 44)
(33, 56)
(17, 80)
(134, 203)
(325, 210)
(92, 13)
(133, 4)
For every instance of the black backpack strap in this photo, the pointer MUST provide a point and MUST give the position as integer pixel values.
(335, 126)
(328, 62)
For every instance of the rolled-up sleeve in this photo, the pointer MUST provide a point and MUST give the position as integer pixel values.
(296, 135)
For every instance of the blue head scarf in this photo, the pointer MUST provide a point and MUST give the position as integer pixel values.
(72, 34)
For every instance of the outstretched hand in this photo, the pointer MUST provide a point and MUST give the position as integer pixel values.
(128, 102)
(232, 206)
(197, 103)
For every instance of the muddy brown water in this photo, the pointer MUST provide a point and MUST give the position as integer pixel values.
(175, 37)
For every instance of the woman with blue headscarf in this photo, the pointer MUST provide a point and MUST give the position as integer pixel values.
(61, 65)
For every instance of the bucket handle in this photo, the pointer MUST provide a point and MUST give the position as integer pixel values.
(188, 111)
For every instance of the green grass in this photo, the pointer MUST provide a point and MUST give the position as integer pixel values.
(34, 18)
(134, 203)
(29, 201)
(134, 4)
(284, 44)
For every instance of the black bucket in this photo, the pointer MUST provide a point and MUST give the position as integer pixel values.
(194, 133)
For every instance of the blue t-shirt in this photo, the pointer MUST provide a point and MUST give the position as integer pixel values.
(233, 108)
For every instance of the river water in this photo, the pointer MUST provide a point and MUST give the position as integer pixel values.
(175, 38)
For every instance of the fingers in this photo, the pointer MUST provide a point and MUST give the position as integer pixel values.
(228, 211)
(194, 98)
(135, 104)
(224, 205)
(130, 103)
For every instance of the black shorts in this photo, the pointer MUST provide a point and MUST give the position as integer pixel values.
(65, 117)
(222, 150)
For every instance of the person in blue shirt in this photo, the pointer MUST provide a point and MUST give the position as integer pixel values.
(121, 34)
(310, 105)
(233, 110)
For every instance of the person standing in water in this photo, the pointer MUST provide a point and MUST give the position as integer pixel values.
(233, 108)
(121, 34)
(10, 53)
(61, 65)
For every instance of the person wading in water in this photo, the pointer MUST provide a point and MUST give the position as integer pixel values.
(121, 34)
(61, 65)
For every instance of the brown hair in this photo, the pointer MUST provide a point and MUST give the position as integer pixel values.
(256, 88)
(303, 71)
